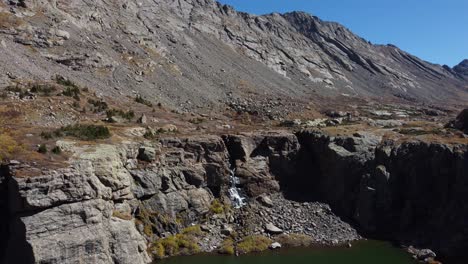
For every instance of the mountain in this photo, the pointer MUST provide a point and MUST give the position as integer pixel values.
(191, 54)
(462, 68)
(132, 131)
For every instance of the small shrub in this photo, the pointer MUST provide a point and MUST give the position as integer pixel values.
(13, 89)
(42, 149)
(72, 92)
(170, 245)
(45, 89)
(197, 120)
(65, 82)
(148, 230)
(254, 243)
(3, 95)
(16, 89)
(99, 106)
(129, 115)
(50, 135)
(71, 89)
(157, 250)
(76, 105)
(141, 100)
(185, 243)
(227, 247)
(192, 230)
(216, 207)
(153, 134)
(85, 132)
(57, 150)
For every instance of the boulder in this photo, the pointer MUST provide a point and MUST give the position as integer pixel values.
(169, 128)
(265, 200)
(275, 245)
(227, 230)
(461, 122)
(143, 119)
(147, 154)
(272, 229)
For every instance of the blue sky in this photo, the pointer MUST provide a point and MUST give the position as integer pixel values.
(434, 30)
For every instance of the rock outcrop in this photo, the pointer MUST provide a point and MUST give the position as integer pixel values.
(112, 202)
(460, 122)
(410, 192)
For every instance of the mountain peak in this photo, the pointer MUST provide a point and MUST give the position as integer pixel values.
(462, 68)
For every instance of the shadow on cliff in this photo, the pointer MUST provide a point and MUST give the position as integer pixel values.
(13, 245)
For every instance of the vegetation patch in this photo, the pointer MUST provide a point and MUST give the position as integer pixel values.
(294, 240)
(8, 146)
(227, 247)
(98, 106)
(419, 132)
(57, 150)
(152, 134)
(71, 89)
(197, 120)
(185, 243)
(16, 89)
(65, 82)
(43, 89)
(123, 216)
(254, 243)
(80, 131)
(86, 132)
(129, 115)
(142, 100)
(42, 149)
(217, 207)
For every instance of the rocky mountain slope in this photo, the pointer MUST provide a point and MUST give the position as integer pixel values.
(200, 54)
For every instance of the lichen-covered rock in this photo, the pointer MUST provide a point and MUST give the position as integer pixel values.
(83, 231)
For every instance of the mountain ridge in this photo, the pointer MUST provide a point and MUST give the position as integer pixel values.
(202, 53)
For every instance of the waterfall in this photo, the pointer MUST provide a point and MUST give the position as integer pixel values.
(234, 192)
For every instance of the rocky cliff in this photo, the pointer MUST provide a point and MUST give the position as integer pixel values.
(195, 54)
(112, 202)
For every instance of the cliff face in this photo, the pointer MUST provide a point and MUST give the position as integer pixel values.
(411, 192)
(113, 201)
(201, 53)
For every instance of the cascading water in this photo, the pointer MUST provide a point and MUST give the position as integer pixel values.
(235, 192)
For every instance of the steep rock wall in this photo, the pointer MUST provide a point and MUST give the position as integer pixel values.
(112, 201)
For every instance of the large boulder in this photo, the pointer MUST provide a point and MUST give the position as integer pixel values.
(461, 122)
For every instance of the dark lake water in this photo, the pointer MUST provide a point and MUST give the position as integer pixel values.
(366, 252)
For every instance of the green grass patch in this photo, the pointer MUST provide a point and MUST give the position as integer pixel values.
(227, 247)
(217, 207)
(177, 245)
(254, 243)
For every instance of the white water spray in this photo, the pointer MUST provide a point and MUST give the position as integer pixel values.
(234, 192)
